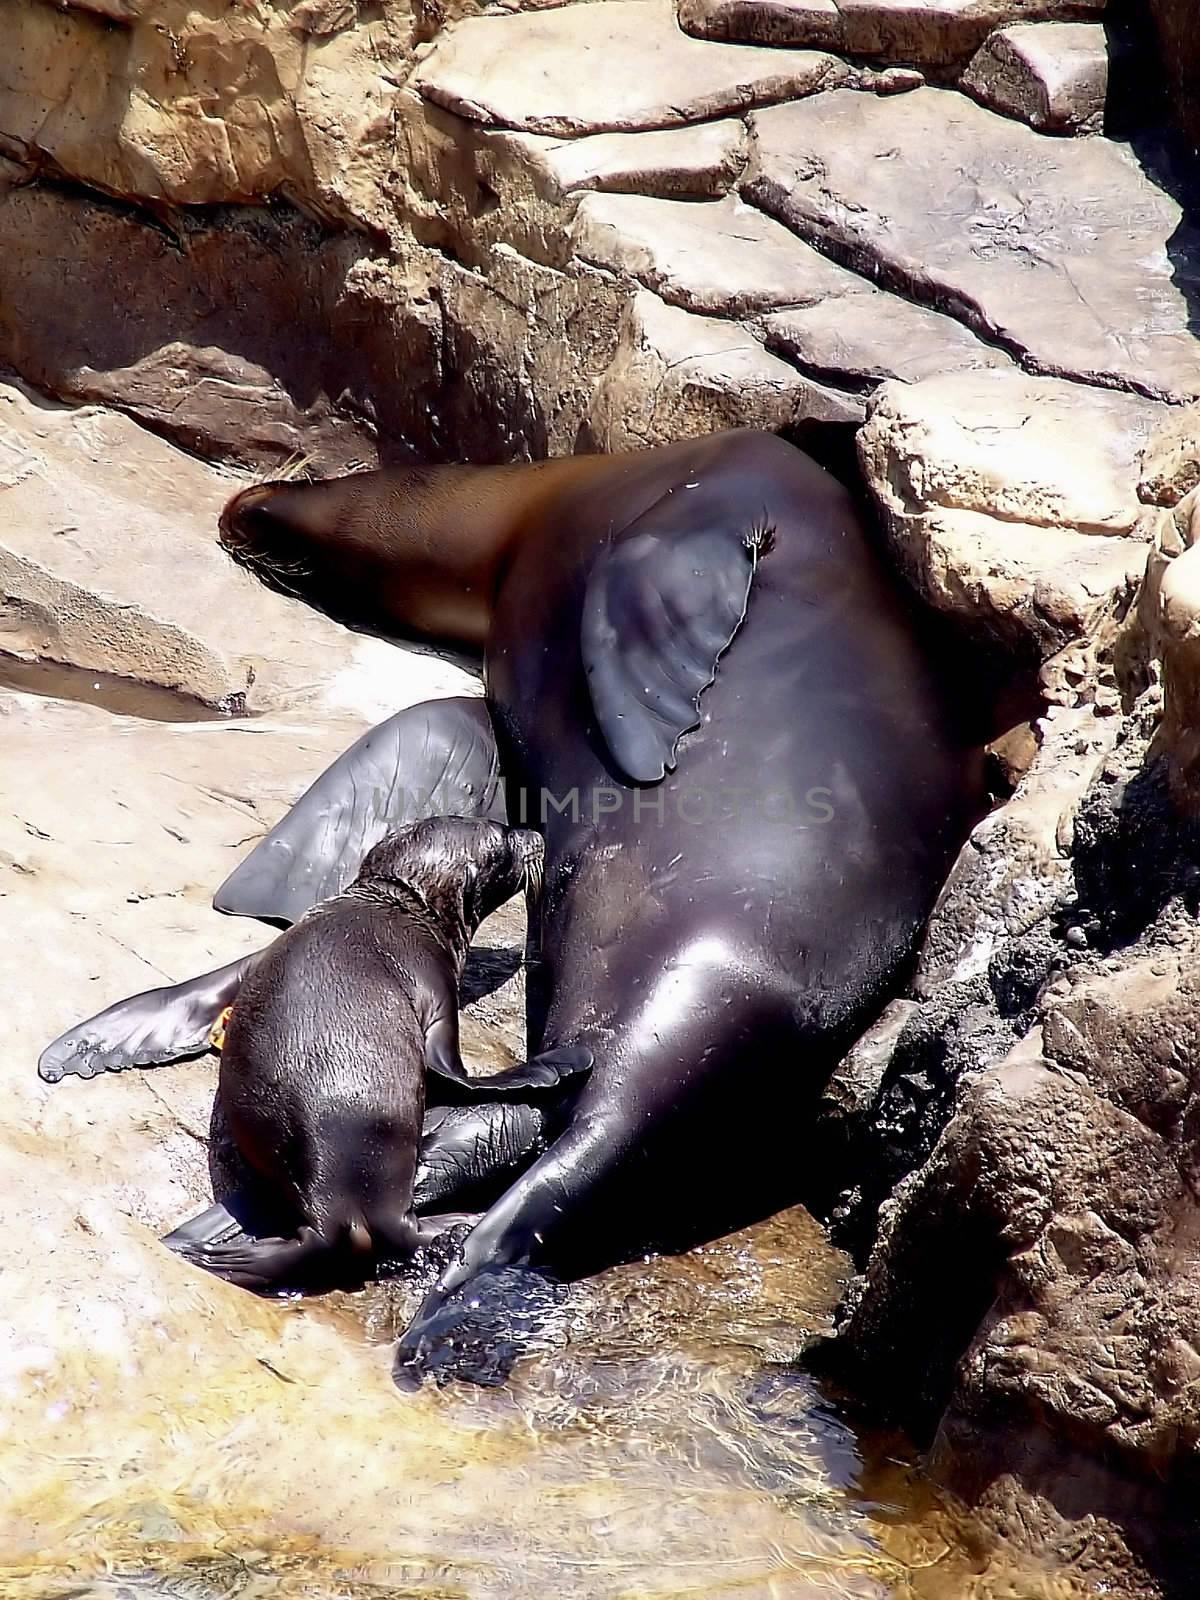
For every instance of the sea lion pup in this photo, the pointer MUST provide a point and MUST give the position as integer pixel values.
(323, 1071)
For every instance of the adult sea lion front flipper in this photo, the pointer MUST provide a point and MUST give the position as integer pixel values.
(662, 606)
(438, 758)
(147, 1030)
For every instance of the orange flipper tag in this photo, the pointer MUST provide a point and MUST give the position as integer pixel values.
(217, 1037)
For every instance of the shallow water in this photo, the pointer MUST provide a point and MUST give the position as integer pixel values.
(660, 1442)
(126, 697)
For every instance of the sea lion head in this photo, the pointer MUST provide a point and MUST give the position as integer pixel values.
(462, 868)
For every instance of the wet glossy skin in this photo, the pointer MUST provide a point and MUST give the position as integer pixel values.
(716, 938)
(717, 961)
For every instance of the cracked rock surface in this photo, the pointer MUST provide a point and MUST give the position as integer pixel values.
(1003, 504)
(1057, 250)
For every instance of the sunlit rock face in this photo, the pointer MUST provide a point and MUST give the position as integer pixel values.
(329, 234)
(1053, 76)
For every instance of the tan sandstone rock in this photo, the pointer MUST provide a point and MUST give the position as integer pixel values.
(1073, 1223)
(1171, 461)
(1169, 616)
(178, 107)
(1053, 75)
(1054, 249)
(857, 335)
(623, 64)
(678, 375)
(1005, 505)
(1167, 633)
(730, 260)
(925, 32)
(726, 258)
(816, 24)
(1016, 870)
(245, 287)
(696, 162)
(109, 561)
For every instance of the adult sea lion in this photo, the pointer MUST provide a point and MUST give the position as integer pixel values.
(712, 699)
(325, 1058)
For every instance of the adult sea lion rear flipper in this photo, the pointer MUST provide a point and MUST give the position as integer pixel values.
(662, 605)
(438, 758)
(147, 1030)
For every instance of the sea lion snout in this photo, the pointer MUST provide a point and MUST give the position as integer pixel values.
(238, 525)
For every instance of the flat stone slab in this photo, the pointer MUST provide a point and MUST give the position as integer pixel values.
(678, 375)
(1053, 75)
(816, 24)
(1011, 501)
(920, 32)
(109, 561)
(864, 335)
(730, 260)
(1061, 251)
(725, 258)
(699, 162)
(620, 65)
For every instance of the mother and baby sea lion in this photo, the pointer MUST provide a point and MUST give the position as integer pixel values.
(711, 698)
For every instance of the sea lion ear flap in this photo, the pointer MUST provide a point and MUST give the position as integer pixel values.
(661, 607)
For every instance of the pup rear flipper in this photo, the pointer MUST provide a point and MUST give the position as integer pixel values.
(244, 1239)
(247, 1212)
(470, 1154)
